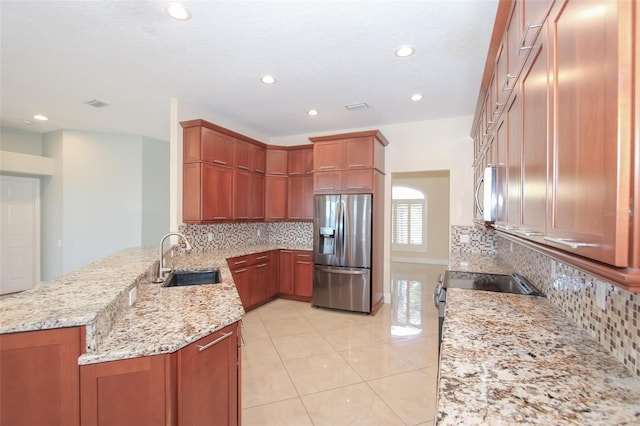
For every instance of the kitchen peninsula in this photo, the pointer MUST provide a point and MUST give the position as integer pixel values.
(82, 334)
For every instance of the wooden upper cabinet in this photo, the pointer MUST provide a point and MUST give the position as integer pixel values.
(40, 377)
(257, 196)
(276, 197)
(257, 159)
(358, 153)
(328, 156)
(301, 161)
(217, 148)
(589, 209)
(242, 193)
(242, 154)
(206, 192)
(277, 162)
(513, 201)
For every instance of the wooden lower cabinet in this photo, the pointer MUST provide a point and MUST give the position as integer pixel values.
(255, 277)
(208, 386)
(126, 392)
(285, 269)
(303, 273)
(197, 385)
(39, 377)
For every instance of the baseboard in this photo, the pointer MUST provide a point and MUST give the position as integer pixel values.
(420, 260)
(387, 298)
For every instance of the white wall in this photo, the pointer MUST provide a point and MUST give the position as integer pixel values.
(22, 141)
(155, 190)
(52, 210)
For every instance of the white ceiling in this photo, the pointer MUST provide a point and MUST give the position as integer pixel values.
(57, 55)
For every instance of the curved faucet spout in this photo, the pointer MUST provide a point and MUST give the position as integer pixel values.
(161, 268)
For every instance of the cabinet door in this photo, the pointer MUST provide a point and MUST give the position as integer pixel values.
(242, 193)
(307, 198)
(327, 182)
(40, 377)
(257, 159)
(242, 279)
(217, 189)
(514, 160)
(297, 165)
(192, 192)
(296, 203)
(533, 90)
(591, 157)
(208, 380)
(286, 272)
(125, 392)
(502, 183)
(257, 196)
(217, 147)
(358, 153)
(276, 198)
(242, 153)
(357, 180)
(303, 273)
(328, 156)
(260, 277)
(277, 160)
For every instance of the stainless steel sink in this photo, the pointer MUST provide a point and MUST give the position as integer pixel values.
(184, 278)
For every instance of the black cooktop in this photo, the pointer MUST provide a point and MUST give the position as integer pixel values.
(513, 283)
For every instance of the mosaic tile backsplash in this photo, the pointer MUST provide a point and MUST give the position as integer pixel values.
(481, 241)
(219, 236)
(574, 292)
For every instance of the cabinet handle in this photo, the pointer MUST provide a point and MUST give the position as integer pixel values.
(295, 217)
(243, 217)
(505, 86)
(243, 167)
(262, 265)
(294, 174)
(237, 271)
(219, 162)
(303, 263)
(356, 165)
(219, 339)
(304, 255)
(327, 167)
(356, 187)
(326, 188)
(286, 251)
(528, 233)
(498, 105)
(276, 217)
(261, 257)
(570, 244)
(277, 173)
(239, 262)
(219, 217)
(521, 46)
(259, 171)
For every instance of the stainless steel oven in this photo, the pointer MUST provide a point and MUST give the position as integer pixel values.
(512, 283)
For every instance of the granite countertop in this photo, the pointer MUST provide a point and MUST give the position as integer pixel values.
(162, 320)
(513, 359)
(481, 263)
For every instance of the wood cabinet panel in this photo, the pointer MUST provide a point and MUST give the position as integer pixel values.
(40, 377)
(242, 194)
(303, 273)
(208, 382)
(514, 161)
(589, 206)
(327, 182)
(328, 156)
(241, 156)
(286, 279)
(258, 159)
(277, 162)
(216, 192)
(125, 392)
(257, 196)
(358, 153)
(241, 278)
(502, 182)
(217, 148)
(301, 161)
(276, 198)
(300, 198)
(358, 180)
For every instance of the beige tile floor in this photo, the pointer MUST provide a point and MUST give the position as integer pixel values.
(313, 366)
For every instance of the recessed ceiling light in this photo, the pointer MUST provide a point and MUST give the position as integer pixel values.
(41, 117)
(27, 122)
(405, 51)
(177, 11)
(268, 79)
(313, 112)
(416, 97)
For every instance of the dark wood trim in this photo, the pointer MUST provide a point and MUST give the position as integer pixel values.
(204, 123)
(375, 133)
(502, 18)
(293, 297)
(626, 278)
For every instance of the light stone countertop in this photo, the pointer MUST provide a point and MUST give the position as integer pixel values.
(512, 359)
(161, 321)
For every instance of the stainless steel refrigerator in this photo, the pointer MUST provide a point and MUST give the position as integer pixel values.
(342, 252)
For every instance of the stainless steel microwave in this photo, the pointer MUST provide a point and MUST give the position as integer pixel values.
(486, 196)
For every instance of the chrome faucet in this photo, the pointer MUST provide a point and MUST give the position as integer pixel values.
(161, 268)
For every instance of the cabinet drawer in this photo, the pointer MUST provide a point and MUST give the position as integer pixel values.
(356, 180)
(327, 181)
(249, 260)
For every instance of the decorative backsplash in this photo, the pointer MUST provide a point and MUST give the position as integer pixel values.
(574, 292)
(218, 236)
(480, 240)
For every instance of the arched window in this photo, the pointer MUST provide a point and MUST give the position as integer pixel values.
(408, 219)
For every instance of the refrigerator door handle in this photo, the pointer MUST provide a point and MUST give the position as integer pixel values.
(340, 271)
(340, 233)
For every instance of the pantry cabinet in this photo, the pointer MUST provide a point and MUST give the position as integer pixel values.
(40, 377)
(570, 135)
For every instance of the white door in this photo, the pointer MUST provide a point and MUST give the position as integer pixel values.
(19, 233)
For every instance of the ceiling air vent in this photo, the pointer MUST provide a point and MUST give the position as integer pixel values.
(96, 103)
(357, 107)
